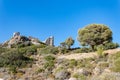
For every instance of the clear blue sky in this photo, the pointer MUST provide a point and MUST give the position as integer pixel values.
(60, 18)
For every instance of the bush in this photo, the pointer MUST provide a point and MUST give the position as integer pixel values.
(115, 62)
(49, 62)
(49, 50)
(29, 50)
(83, 50)
(40, 70)
(116, 56)
(100, 51)
(79, 76)
(2, 50)
(111, 45)
(116, 67)
(85, 63)
(49, 58)
(58, 69)
(14, 58)
(13, 69)
(49, 65)
(106, 76)
(72, 63)
(63, 50)
(102, 65)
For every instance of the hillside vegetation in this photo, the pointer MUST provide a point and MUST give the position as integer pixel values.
(23, 58)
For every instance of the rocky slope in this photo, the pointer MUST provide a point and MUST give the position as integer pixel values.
(26, 58)
(74, 66)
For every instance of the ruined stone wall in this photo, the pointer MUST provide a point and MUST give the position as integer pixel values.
(50, 41)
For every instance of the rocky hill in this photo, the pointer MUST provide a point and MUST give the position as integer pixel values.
(70, 66)
(27, 58)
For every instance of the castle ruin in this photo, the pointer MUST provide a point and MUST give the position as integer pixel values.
(16, 34)
(50, 41)
(17, 38)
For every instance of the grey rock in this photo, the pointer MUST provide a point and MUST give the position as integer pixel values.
(83, 71)
(62, 75)
(72, 79)
(2, 70)
(6, 77)
(97, 71)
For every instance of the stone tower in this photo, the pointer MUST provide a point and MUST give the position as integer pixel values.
(16, 34)
(50, 41)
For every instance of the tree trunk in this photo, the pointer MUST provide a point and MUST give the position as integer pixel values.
(92, 47)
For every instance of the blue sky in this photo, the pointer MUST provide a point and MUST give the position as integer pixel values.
(59, 18)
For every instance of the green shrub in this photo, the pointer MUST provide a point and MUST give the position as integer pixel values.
(79, 76)
(83, 50)
(14, 58)
(111, 45)
(29, 50)
(77, 51)
(49, 65)
(100, 51)
(49, 58)
(116, 67)
(59, 69)
(63, 50)
(49, 50)
(49, 61)
(114, 60)
(106, 76)
(72, 63)
(116, 56)
(40, 70)
(85, 63)
(2, 50)
(13, 69)
(102, 65)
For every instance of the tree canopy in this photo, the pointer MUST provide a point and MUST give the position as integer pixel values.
(94, 35)
(69, 42)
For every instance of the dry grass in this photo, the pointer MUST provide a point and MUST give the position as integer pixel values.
(78, 56)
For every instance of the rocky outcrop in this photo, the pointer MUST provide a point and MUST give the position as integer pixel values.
(62, 75)
(18, 39)
(34, 41)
